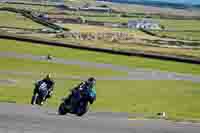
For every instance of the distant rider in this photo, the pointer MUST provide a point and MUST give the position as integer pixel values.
(50, 86)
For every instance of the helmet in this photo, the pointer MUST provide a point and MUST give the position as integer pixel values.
(91, 80)
(48, 76)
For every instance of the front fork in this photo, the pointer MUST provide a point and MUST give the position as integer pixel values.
(34, 97)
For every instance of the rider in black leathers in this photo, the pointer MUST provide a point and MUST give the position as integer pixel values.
(50, 86)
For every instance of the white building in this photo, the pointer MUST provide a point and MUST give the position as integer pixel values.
(144, 24)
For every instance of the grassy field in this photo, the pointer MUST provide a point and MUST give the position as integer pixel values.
(133, 8)
(135, 62)
(100, 29)
(179, 99)
(140, 47)
(192, 25)
(16, 20)
(167, 23)
(123, 45)
(20, 65)
(180, 24)
(172, 24)
(93, 29)
(180, 35)
(110, 19)
(29, 7)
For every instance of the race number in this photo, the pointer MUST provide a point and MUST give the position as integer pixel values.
(43, 86)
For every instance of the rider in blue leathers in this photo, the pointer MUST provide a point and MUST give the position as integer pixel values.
(89, 87)
(86, 87)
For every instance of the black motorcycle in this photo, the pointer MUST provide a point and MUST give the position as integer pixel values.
(78, 108)
(40, 93)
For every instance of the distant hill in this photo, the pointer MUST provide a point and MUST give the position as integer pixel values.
(156, 3)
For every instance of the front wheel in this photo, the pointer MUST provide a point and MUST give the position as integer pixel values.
(33, 100)
(83, 109)
(39, 100)
(62, 110)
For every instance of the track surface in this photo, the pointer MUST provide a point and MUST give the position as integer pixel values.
(28, 119)
(133, 74)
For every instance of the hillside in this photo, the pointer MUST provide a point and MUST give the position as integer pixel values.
(157, 3)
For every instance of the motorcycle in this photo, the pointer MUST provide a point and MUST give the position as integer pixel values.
(40, 95)
(80, 108)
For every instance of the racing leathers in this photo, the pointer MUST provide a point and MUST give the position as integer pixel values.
(83, 88)
(45, 84)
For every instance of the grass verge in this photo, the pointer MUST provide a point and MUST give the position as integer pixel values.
(194, 36)
(131, 46)
(67, 53)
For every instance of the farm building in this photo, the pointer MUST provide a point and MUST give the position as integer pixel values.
(144, 24)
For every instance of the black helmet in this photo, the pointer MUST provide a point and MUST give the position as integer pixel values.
(48, 76)
(91, 81)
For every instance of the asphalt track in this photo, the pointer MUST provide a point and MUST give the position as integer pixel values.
(133, 73)
(33, 119)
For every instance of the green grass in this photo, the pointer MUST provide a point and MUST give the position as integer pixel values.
(99, 29)
(29, 7)
(180, 24)
(179, 99)
(134, 62)
(131, 46)
(16, 20)
(167, 23)
(180, 35)
(21, 65)
(110, 19)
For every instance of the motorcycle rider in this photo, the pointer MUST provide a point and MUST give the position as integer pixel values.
(89, 87)
(86, 87)
(50, 86)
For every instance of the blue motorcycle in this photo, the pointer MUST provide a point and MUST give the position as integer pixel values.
(77, 103)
